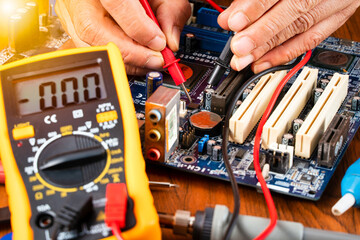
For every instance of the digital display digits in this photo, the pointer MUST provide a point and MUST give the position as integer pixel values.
(59, 89)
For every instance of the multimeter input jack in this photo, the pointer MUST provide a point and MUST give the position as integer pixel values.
(154, 116)
(154, 135)
(153, 154)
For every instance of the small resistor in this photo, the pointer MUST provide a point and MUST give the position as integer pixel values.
(216, 153)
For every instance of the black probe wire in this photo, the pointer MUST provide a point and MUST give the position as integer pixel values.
(225, 141)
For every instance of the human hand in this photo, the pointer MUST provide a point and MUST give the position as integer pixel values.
(273, 32)
(124, 22)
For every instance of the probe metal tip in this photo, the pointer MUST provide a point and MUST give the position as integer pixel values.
(186, 92)
(154, 184)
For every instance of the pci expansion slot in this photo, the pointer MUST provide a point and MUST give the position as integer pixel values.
(321, 115)
(289, 107)
(254, 105)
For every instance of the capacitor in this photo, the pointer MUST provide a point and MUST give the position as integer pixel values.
(317, 94)
(324, 82)
(190, 42)
(251, 86)
(209, 147)
(33, 25)
(288, 139)
(206, 122)
(246, 93)
(153, 81)
(297, 123)
(216, 153)
(208, 93)
(17, 40)
(355, 102)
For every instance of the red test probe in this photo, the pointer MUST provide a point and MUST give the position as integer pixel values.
(171, 63)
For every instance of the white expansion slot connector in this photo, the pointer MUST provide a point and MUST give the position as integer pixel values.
(321, 115)
(253, 107)
(289, 107)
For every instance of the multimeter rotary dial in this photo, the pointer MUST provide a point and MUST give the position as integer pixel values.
(72, 160)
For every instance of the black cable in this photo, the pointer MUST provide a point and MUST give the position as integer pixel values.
(225, 141)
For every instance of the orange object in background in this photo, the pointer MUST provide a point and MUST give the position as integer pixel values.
(2, 174)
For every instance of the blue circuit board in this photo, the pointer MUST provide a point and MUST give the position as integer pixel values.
(305, 179)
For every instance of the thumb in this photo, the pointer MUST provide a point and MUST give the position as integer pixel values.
(172, 16)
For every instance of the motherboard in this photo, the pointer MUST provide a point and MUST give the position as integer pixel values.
(304, 140)
(297, 171)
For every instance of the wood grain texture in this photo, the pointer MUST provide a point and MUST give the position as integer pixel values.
(197, 192)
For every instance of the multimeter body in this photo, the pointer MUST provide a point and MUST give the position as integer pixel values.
(68, 125)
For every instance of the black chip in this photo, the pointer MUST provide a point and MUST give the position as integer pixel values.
(306, 178)
(240, 153)
(329, 59)
(192, 72)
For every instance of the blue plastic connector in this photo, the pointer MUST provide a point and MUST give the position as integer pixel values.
(202, 143)
(207, 17)
(350, 190)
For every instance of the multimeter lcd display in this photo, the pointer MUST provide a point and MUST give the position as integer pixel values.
(59, 89)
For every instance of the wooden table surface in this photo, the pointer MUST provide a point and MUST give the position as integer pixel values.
(197, 192)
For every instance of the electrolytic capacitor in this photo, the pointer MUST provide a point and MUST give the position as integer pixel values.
(324, 82)
(153, 81)
(17, 41)
(317, 94)
(296, 125)
(216, 154)
(288, 139)
(355, 102)
(245, 93)
(208, 93)
(33, 25)
(209, 147)
(190, 42)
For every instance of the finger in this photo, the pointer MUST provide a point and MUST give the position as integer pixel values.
(305, 41)
(132, 18)
(66, 22)
(134, 70)
(94, 27)
(322, 11)
(242, 13)
(269, 25)
(172, 16)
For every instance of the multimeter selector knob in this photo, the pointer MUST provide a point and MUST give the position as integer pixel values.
(72, 161)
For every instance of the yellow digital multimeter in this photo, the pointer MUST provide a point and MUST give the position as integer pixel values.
(55, 109)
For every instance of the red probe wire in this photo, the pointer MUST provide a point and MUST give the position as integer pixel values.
(265, 189)
(171, 63)
(214, 5)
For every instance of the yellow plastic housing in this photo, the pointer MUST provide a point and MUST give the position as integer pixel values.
(147, 222)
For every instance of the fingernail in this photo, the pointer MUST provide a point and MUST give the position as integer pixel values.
(157, 43)
(262, 66)
(154, 62)
(241, 62)
(243, 46)
(238, 21)
(176, 35)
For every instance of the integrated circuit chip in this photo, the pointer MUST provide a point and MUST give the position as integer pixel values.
(329, 59)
